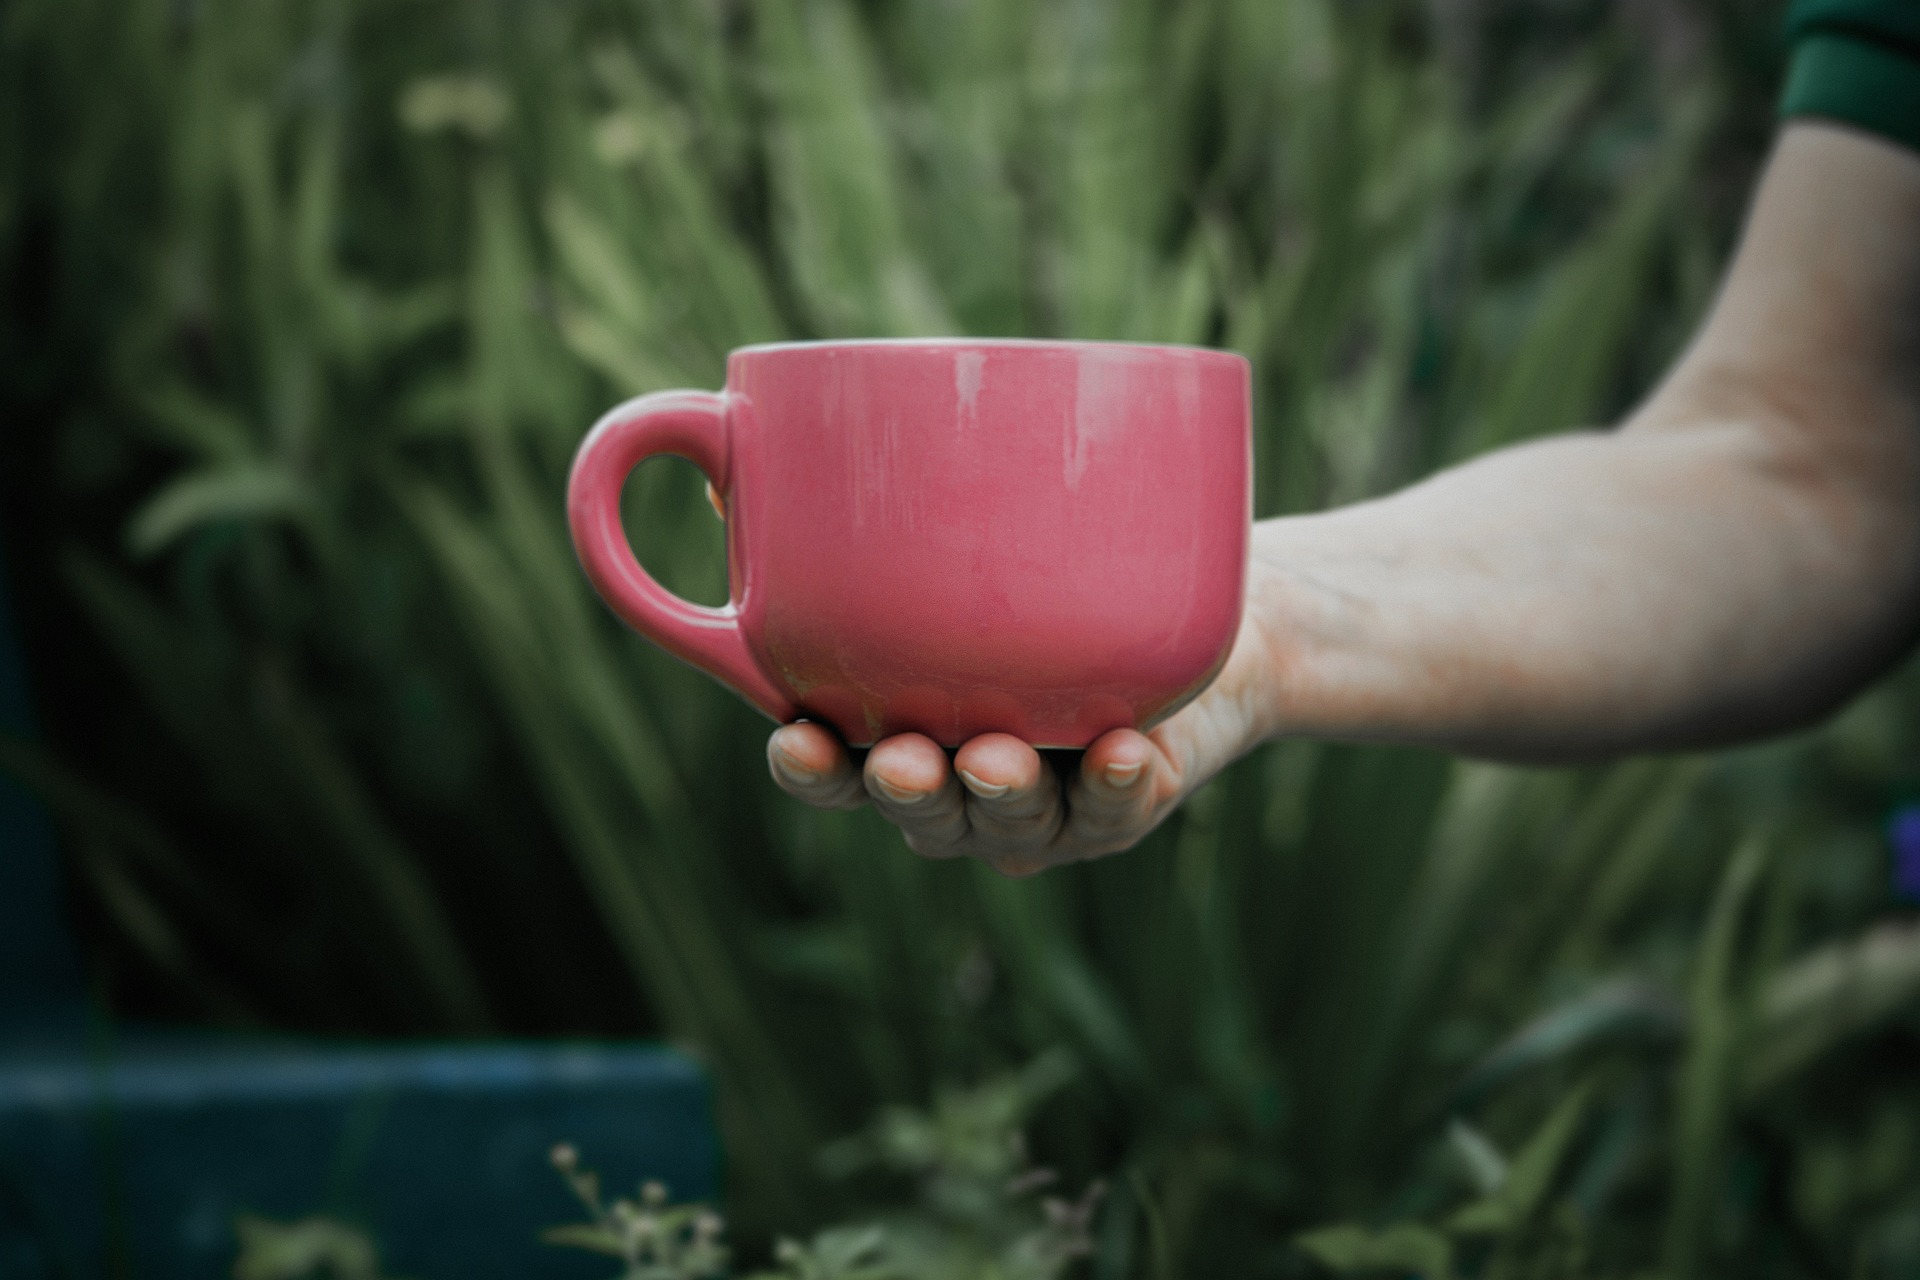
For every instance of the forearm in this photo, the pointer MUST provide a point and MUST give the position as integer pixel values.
(1584, 595)
(1740, 556)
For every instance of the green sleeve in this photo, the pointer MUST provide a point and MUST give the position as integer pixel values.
(1856, 61)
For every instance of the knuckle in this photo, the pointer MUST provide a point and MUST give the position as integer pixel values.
(1013, 826)
(846, 797)
(930, 847)
(820, 797)
(1017, 840)
(1095, 812)
(1096, 834)
(1017, 868)
(1110, 825)
(1105, 848)
(1033, 820)
(815, 800)
(1033, 805)
(947, 828)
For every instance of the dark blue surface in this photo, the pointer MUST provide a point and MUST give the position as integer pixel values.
(130, 1156)
(439, 1151)
(37, 968)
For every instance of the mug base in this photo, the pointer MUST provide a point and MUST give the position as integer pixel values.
(951, 723)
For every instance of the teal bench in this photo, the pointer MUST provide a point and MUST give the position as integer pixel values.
(127, 1153)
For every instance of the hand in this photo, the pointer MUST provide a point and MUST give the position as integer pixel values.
(1738, 558)
(1000, 801)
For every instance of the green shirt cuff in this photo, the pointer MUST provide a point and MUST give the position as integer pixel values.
(1868, 85)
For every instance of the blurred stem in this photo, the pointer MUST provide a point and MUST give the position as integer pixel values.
(387, 867)
(1718, 1009)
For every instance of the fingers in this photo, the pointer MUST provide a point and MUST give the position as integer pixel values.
(1013, 803)
(809, 763)
(909, 782)
(998, 800)
(1114, 795)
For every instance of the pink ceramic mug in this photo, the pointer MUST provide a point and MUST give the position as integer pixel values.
(949, 537)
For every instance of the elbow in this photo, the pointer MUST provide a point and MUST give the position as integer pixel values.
(1845, 500)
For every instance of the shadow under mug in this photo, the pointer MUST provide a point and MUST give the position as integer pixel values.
(948, 537)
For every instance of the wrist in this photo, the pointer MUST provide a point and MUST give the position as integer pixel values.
(1336, 658)
(1296, 619)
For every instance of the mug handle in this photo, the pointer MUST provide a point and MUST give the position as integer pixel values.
(691, 425)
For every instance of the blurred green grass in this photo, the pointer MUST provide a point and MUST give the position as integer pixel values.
(308, 305)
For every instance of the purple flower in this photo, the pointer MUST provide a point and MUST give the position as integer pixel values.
(1903, 839)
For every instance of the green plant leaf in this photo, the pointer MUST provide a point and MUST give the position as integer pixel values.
(1719, 1010)
(1522, 1193)
(1623, 1010)
(580, 1235)
(241, 491)
(1402, 1247)
(1822, 999)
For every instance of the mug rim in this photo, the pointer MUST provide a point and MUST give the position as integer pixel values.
(1056, 344)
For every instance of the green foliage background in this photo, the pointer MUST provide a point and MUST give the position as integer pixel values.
(308, 303)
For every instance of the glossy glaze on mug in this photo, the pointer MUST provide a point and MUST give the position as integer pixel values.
(950, 537)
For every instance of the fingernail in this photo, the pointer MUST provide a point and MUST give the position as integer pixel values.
(899, 795)
(985, 790)
(794, 770)
(1121, 775)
